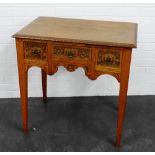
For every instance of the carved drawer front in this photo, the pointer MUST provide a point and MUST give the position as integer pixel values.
(70, 52)
(108, 60)
(35, 50)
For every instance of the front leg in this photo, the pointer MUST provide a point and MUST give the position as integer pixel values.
(125, 68)
(23, 83)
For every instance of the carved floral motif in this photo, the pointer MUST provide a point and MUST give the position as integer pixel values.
(35, 50)
(108, 58)
(71, 52)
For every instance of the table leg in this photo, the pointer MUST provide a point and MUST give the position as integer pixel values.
(125, 68)
(23, 83)
(44, 85)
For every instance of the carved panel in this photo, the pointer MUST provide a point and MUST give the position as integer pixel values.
(35, 50)
(108, 60)
(116, 75)
(72, 52)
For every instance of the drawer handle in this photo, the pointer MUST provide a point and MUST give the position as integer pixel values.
(70, 54)
(36, 53)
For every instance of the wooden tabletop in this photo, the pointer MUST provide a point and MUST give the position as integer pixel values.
(94, 32)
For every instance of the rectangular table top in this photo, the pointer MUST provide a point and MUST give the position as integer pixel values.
(93, 32)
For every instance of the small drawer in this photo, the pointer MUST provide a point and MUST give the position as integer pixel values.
(109, 59)
(35, 50)
(71, 52)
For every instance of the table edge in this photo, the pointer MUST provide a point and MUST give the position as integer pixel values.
(75, 41)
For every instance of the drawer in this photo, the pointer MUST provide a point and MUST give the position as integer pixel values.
(108, 59)
(71, 52)
(35, 50)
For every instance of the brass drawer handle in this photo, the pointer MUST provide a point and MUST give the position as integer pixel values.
(70, 54)
(36, 52)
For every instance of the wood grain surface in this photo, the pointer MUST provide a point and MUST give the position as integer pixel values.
(108, 33)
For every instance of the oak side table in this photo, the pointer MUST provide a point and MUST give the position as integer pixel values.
(99, 47)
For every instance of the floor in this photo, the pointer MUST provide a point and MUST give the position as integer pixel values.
(78, 124)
